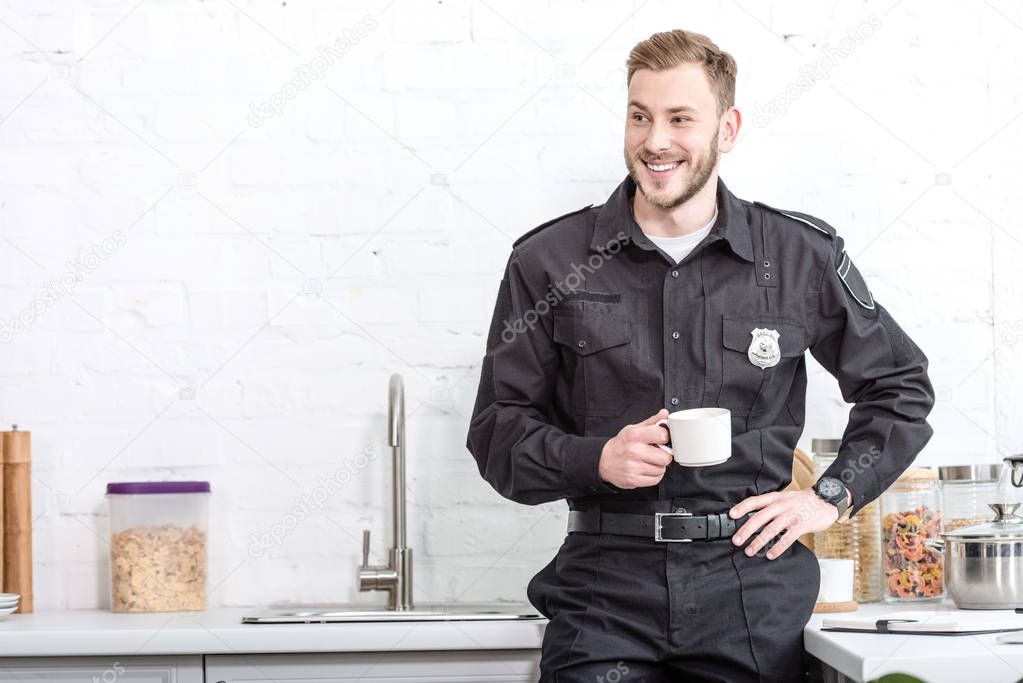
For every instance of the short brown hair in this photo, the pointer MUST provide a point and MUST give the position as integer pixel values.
(668, 49)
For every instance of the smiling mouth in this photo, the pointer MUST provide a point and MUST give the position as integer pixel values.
(662, 169)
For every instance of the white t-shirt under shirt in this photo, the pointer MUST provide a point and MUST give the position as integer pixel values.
(679, 247)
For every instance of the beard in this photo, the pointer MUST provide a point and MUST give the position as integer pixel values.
(700, 170)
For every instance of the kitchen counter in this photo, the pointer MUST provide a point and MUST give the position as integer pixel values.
(866, 656)
(858, 656)
(220, 631)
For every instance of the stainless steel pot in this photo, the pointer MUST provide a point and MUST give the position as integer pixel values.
(984, 562)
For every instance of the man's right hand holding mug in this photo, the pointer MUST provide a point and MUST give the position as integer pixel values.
(631, 458)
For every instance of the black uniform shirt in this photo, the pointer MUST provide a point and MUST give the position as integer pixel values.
(596, 328)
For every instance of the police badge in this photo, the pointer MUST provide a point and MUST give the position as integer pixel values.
(763, 350)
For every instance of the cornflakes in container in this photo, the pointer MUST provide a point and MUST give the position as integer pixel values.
(158, 557)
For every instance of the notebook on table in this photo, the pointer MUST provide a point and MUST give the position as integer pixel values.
(950, 623)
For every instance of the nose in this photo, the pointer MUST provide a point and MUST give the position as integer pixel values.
(658, 139)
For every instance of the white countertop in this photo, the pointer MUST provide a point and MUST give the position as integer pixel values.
(865, 656)
(220, 631)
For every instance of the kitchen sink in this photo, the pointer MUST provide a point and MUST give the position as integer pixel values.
(501, 611)
(395, 577)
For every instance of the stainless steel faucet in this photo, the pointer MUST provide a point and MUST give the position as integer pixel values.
(396, 576)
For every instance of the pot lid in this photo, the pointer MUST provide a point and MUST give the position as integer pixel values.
(1005, 526)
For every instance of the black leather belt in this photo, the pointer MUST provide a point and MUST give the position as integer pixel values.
(677, 527)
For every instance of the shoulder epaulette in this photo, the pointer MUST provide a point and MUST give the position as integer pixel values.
(812, 221)
(549, 223)
(847, 271)
(854, 282)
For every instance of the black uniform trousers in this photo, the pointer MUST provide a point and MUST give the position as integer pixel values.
(631, 609)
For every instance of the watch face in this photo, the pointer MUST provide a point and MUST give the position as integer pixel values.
(829, 487)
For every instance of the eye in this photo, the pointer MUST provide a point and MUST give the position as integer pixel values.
(637, 116)
(681, 118)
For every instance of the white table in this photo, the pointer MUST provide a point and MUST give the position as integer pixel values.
(958, 659)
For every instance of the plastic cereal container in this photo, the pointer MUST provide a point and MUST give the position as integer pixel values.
(911, 514)
(158, 545)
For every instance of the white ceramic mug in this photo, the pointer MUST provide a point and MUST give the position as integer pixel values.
(699, 436)
(836, 580)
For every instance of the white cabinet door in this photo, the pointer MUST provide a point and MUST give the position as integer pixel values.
(492, 666)
(102, 669)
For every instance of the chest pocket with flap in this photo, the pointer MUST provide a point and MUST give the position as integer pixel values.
(597, 355)
(746, 388)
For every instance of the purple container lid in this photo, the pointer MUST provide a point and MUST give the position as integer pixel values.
(144, 487)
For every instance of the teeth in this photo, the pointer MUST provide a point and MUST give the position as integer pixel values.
(662, 167)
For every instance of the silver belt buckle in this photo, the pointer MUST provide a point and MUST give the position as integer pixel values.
(657, 527)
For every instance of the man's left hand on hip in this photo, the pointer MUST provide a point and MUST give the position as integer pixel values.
(793, 512)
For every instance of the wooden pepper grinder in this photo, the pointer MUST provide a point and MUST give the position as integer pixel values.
(17, 516)
(1, 515)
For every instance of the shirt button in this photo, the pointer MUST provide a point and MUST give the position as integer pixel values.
(674, 273)
(675, 335)
(582, 343)
(674, 400)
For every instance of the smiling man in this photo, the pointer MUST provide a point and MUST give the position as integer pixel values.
(676, 294)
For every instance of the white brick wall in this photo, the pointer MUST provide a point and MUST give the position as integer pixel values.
(273, 271)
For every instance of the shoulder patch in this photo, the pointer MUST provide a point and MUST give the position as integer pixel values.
(854, 282)
(812, 221)
(547, 224)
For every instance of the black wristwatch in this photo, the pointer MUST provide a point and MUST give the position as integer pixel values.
(832, 490)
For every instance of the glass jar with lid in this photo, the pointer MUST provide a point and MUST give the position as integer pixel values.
(857, 538)
(966, 492)
(911, 514)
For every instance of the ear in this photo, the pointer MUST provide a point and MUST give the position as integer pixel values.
(728, 129)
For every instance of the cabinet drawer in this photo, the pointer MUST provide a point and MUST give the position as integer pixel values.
(103, 669)
(493, 666)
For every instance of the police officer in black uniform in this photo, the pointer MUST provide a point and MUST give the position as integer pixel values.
(672, 573)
